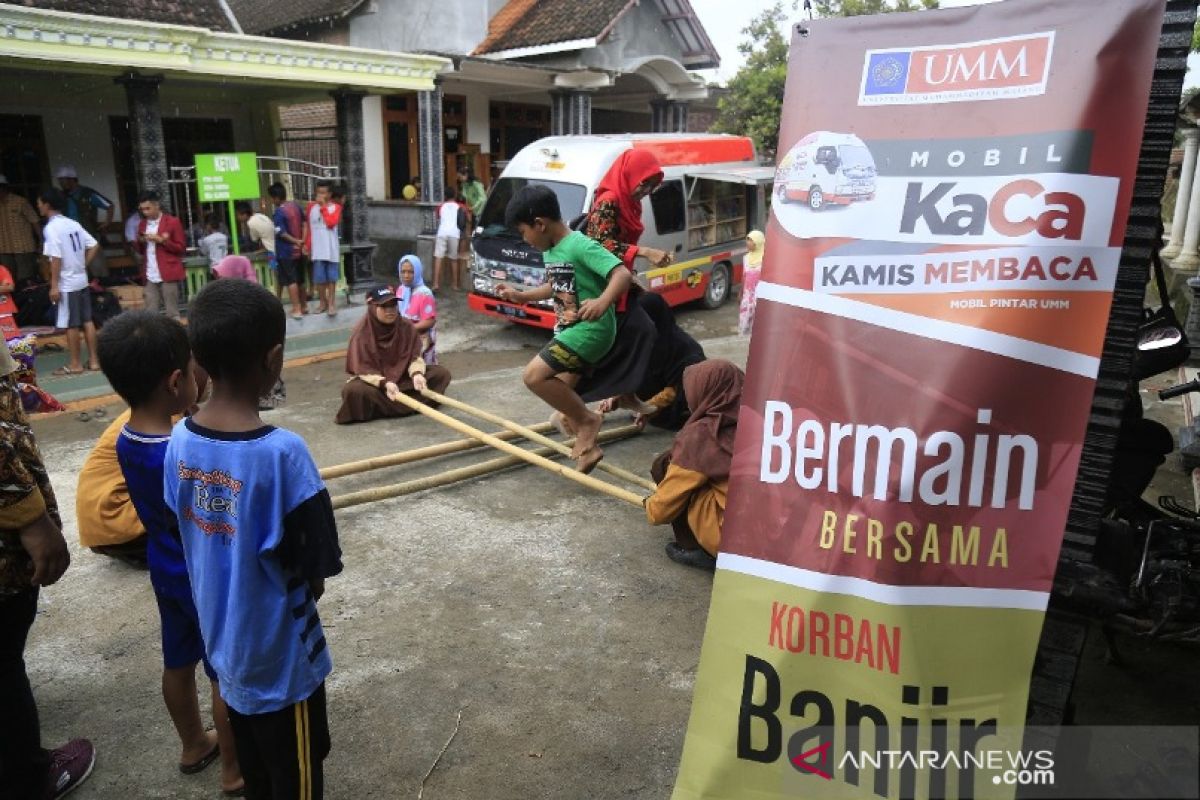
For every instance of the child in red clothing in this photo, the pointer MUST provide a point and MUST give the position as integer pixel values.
(321, 220)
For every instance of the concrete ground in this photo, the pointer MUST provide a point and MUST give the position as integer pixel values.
(547, 615)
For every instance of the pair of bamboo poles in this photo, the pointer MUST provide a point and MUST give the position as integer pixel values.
(501, 440)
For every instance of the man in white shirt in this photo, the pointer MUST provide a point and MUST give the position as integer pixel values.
(132, 222)
(69, 248)
(261, 231)
(445, 246)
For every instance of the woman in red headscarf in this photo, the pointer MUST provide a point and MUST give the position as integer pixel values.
(693, 477)
(615, 220)
(649, 359)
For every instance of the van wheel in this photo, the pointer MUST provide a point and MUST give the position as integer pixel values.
(718, 287)
(816, 200)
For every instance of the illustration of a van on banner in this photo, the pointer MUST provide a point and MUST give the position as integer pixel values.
(826, 168)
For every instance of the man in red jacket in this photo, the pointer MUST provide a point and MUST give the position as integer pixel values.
(162, 245)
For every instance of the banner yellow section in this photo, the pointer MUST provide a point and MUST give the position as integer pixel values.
(792, 674)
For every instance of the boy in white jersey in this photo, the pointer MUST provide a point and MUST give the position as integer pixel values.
(70, 249)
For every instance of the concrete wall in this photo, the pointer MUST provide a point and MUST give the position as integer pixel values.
(443, 26)
(77, 133)
(479, 123)
(398, 228)
(373, 141)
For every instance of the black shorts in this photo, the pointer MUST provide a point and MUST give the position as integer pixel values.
(74, 308)
(281, 753)
(288, 271)
(562, 358)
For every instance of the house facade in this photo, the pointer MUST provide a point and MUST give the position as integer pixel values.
(517, 70)
(127, 93)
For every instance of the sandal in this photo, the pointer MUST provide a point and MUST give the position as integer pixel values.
(62, 372)
(202, 764)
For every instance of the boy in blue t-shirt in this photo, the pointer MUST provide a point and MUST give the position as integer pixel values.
(259, 538)
(147, 359)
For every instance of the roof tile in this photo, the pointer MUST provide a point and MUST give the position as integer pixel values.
(531, 23)
(260, 17)
(196, 13)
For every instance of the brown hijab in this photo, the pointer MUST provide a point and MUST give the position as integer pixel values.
(713, 390)
(377, 348)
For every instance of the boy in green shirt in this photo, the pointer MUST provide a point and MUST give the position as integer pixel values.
(584, 280)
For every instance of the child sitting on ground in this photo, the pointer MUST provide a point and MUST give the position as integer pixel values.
(259, 539)
(215, 244)
(146, 358)
(583, 279)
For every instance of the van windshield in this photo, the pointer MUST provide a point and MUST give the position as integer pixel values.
(570, 202)
(856, 158)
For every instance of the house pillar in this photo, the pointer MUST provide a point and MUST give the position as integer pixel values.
(570, 112)
(146, 134)
(353, 169)
(1188, 259)
(658, 115)
(668, 116)
(677, 117)
(431, 145)
(1187, 174)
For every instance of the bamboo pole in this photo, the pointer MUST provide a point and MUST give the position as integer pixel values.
(512, 449)
(535, 436)
(460, 474)
(419, 454)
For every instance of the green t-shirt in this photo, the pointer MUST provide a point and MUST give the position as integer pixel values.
(578, 269)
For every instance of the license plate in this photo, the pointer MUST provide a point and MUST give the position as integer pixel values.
(499, 274)
(513, 311)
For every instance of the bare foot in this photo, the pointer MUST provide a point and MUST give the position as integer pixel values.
(563, 424)
(635, 404)
(585, 434)
(588, 461)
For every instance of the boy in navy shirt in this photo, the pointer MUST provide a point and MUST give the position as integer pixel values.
(146, 358)
(259, 538)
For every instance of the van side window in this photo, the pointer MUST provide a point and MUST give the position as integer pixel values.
(668, 206)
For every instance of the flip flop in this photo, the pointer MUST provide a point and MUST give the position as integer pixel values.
(202, 764)
(62, 372)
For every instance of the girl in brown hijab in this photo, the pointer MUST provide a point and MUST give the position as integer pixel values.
(693, 477)
(384, 359)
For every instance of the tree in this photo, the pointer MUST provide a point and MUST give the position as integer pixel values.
(855, 8)
(753, 103)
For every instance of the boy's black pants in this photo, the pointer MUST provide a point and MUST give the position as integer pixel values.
(23, 762)
(281, 752)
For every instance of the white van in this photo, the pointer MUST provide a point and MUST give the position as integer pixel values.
(713, 193)
(826, 168)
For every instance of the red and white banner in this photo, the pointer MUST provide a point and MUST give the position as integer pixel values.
(949, 207)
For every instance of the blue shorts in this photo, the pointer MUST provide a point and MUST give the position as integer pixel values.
(325, 271)
(182, 644)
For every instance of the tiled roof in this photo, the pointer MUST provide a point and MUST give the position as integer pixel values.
(197, 13)
(259, 17)
(530, 23)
